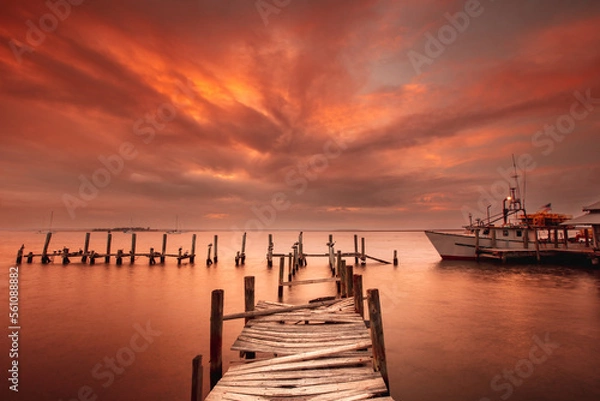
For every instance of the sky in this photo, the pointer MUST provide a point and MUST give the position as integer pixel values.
(275, 114)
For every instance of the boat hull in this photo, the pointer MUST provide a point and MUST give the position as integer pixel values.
(453, 246)
(463, 246)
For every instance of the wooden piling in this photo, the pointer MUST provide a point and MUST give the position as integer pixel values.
(216, 337)
(555, 237)
(86, 247)
(193, 254)
(151, 257)
(349, 279)
(197, 378)
(477, 243)
(537, 245)
(395, 260)
(119, 257)
(355, 249)
(270, 251)
(208, 259)
(45, 258)
(281, 268)
(132, 254)
(243, 254)
(379, 359)
(163, 254)
(108, 244)
(249, 304)
(216, 242)
(362, 251)
(290, 263)
(249, 294)
(359, 306)
(20, 255)
(65, 256)
(301, 258)
(343, 280)
(296, 262)
(30, 257)
(338, 273)
(331, 253)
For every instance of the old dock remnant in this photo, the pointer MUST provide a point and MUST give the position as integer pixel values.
(88, 255)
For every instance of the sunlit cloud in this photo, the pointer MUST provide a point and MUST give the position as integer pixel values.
(246, 104)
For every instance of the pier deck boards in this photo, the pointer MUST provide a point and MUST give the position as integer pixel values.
(321, 354)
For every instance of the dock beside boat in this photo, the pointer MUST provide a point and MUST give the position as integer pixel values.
(508, 255)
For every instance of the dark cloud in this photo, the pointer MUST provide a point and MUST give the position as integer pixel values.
(322, 105)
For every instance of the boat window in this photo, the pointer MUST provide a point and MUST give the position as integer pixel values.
(505, 233)
(519, 233)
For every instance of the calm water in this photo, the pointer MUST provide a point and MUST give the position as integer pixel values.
(454, 331)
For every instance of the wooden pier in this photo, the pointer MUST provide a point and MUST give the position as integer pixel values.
(87, 255)
(298, 257)
(319, 351)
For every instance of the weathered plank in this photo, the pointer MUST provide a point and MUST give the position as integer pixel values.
(376, 385)
(312, 364)
(305, 356)
(313, 281)
(277, 310)
(297, 374)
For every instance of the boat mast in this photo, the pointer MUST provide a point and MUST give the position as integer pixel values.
(524, 196)
(514, 200)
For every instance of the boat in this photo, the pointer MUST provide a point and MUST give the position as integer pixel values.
(509, 231)
(514, 234)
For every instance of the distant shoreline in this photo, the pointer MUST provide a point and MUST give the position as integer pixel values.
(172, 231)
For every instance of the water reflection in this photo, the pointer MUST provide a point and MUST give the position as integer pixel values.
(450, 326)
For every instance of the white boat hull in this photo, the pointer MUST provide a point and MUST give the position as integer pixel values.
(462, 246)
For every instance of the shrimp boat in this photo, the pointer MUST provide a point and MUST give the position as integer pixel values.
(513, 234)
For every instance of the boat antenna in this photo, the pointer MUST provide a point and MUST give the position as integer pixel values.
(524, 196)
(524, 188)
(515, 176)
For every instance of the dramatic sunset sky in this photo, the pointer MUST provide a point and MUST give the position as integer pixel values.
(294, 113)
